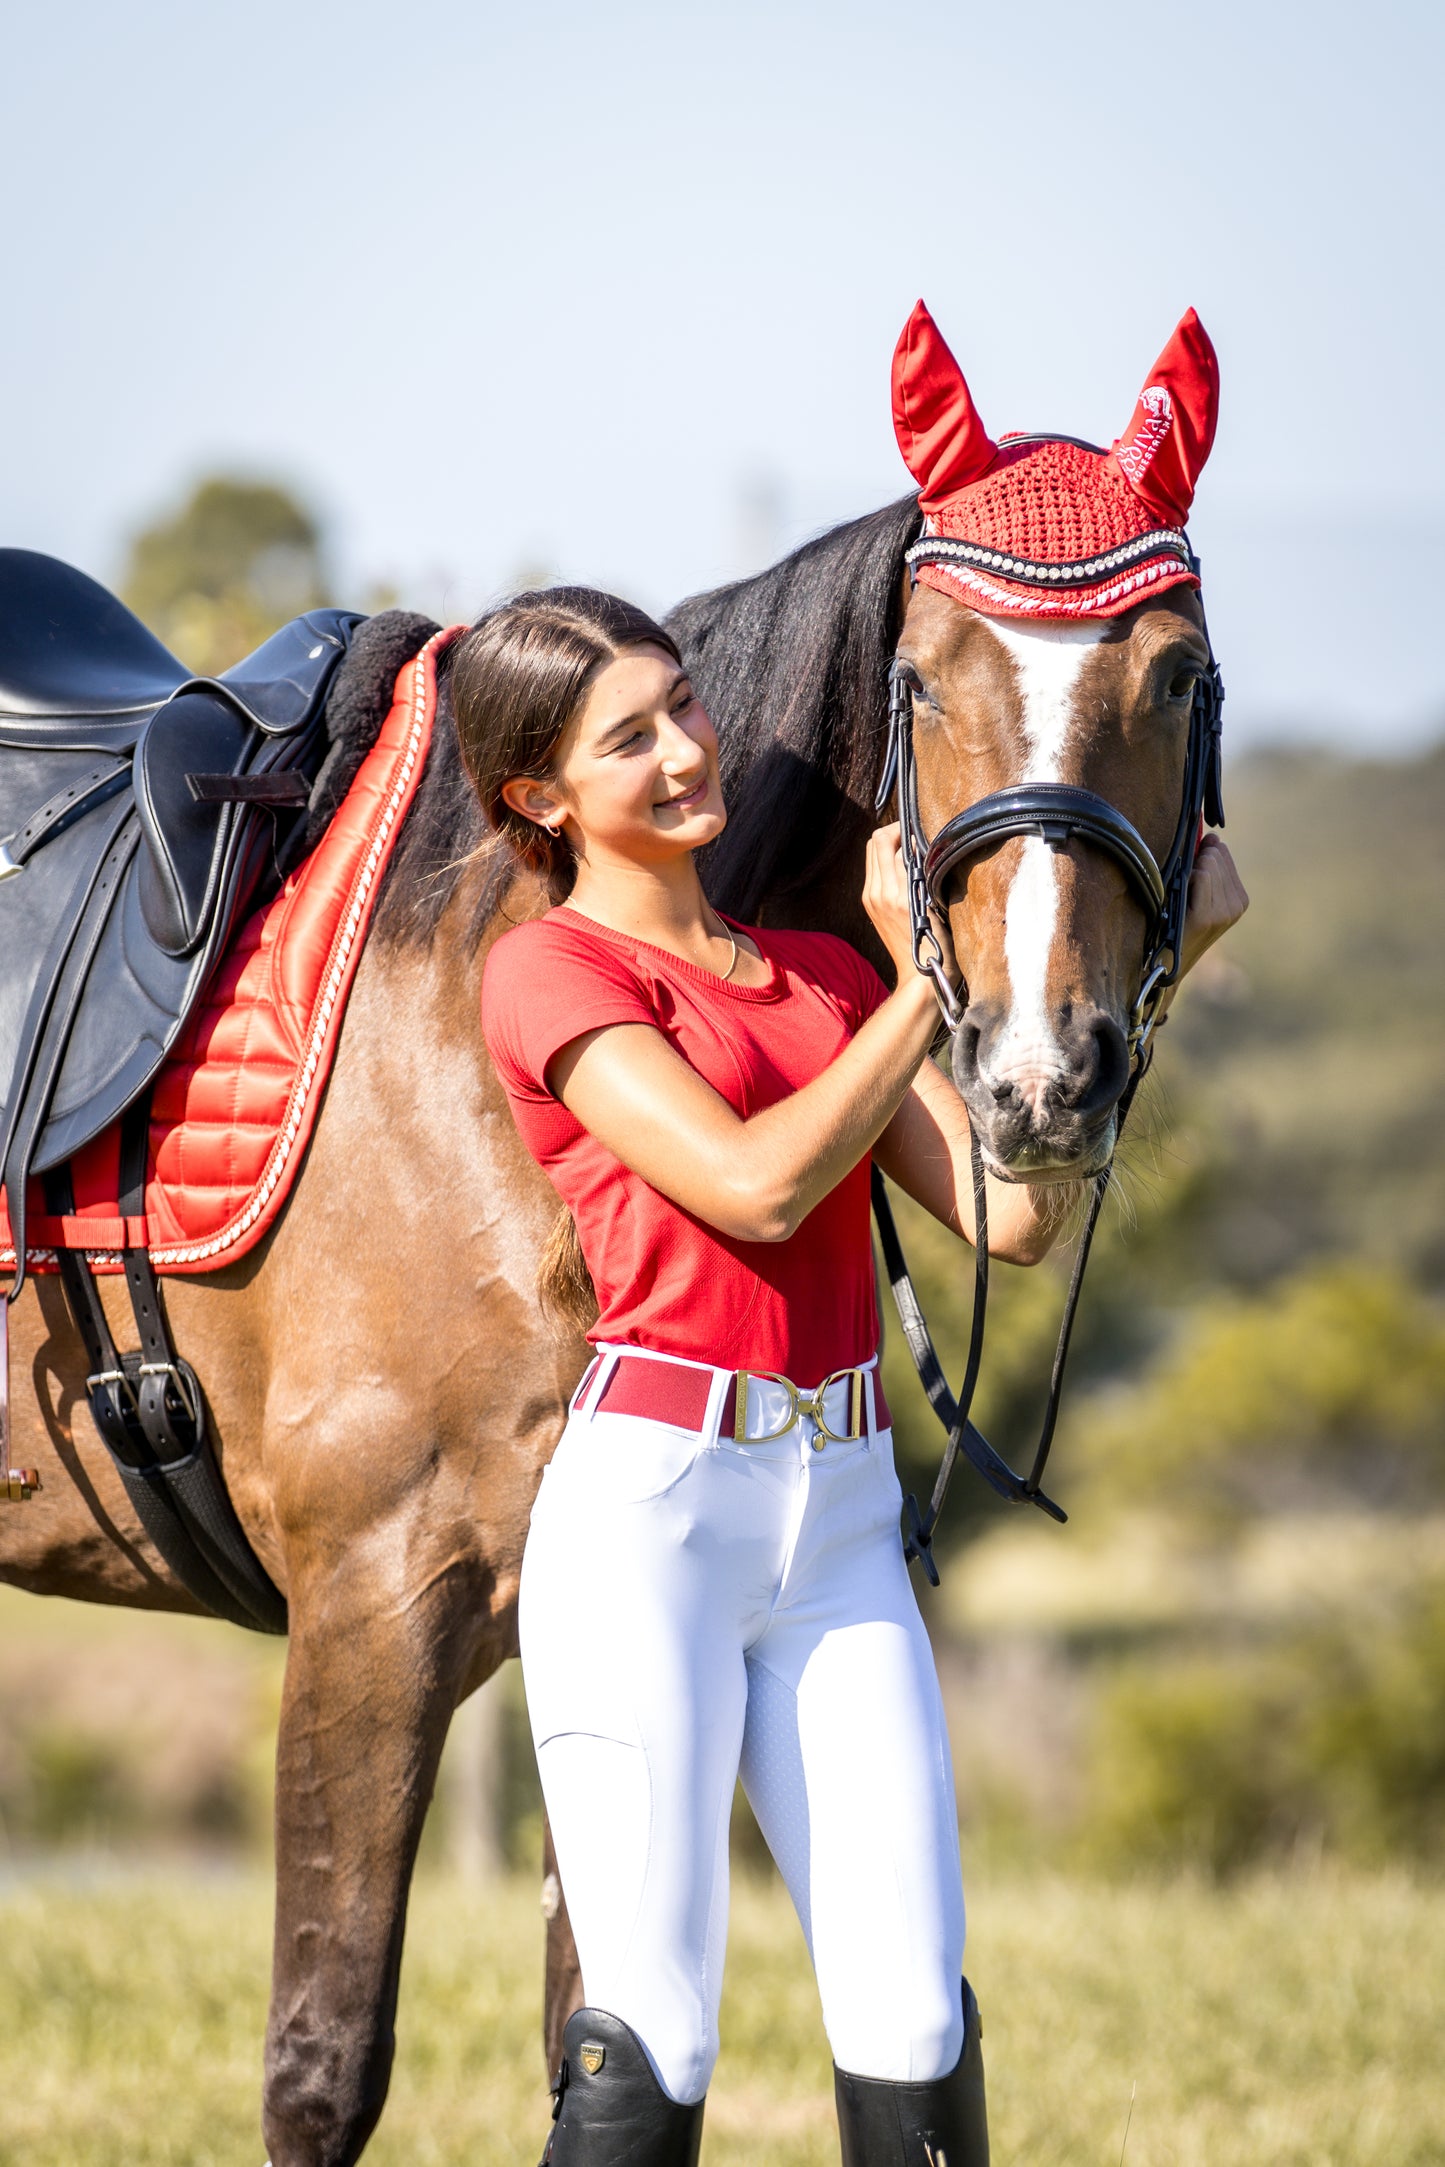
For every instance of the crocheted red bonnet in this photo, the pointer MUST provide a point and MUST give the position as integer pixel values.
(1093, 531)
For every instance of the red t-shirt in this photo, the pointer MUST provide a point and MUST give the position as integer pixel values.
(664, 1279)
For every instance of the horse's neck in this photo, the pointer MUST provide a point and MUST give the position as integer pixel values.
(829, 903)
(417, 1001)
(817, 884)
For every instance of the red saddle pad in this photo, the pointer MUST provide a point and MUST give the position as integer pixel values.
(236, 1101)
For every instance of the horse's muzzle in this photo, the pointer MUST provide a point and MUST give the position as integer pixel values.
(1042, 1112)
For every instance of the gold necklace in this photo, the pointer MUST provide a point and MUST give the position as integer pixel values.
(727, 974)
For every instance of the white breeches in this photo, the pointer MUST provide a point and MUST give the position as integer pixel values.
(694, 1608)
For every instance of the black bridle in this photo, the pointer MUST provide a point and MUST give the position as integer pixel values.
(1060, 814)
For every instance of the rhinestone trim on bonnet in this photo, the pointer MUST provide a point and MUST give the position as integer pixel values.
(1163, 541)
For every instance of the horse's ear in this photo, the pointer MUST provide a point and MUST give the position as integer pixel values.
(944, 444)
(1171, 429)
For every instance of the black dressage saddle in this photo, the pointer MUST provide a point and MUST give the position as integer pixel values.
(142, 811)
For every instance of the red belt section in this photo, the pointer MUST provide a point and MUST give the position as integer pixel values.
(672, 1392)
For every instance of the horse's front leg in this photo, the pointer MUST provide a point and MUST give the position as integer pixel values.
(378, 1656)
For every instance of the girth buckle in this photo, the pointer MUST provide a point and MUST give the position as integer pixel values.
(179, 1383)
(120, 1377)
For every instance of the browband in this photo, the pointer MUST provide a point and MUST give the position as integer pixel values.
(1162, 542)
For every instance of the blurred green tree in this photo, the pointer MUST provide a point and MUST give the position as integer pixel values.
(217, 576)
(1329, 1386)
(1334, 1737)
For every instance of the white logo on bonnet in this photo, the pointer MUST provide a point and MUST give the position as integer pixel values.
(1137, 455)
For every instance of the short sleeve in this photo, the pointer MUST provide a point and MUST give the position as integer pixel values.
(868, 991)
(542, 987)
(834, 968)
(847, 976)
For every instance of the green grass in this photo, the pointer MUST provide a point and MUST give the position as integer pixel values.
(1290, 2021)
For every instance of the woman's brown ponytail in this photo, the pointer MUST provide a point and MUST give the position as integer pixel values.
(564, 1284)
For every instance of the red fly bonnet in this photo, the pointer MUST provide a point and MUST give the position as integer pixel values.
(1048, 526)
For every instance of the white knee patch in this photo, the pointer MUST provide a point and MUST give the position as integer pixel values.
(599, 1801)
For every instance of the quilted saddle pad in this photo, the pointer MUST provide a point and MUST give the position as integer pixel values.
(236, 1101)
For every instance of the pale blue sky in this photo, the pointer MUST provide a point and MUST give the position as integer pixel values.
(614, 290)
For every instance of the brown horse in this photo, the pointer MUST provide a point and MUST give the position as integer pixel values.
(381, 1384)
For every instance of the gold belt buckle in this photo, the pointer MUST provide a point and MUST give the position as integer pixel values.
(855, 1409)
(800, 1403)
(740, 1409)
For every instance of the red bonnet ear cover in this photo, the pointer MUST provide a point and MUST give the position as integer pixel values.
(944, 444)
(1171, 429)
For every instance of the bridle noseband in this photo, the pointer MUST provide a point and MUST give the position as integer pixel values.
(1060, 814)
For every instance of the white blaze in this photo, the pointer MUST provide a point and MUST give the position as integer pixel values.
(1047, 659)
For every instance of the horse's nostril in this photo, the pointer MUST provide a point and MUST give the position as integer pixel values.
(1103, 1069)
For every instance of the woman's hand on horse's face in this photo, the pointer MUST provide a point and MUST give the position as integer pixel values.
(1217, 899)
(885, 898)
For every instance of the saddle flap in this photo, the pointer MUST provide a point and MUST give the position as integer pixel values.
(283, 684)
(183, 839)
(263, 715)
(69, 648)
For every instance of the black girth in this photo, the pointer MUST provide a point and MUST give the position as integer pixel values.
(1060, 814)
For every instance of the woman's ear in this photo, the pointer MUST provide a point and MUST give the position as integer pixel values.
(534, 800)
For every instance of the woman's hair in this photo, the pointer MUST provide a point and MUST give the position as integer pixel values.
(518, 678)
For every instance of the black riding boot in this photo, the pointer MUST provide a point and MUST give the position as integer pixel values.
(942, 2124)
(610, 2109)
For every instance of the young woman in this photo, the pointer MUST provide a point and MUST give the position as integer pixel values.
(714, 1581)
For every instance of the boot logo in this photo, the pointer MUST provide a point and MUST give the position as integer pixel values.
(591, 2055)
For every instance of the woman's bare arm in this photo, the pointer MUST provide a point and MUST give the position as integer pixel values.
(756, 1179)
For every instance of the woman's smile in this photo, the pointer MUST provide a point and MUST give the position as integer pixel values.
(694, 796)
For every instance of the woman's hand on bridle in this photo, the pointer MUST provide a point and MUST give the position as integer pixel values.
(1217, 900)
(885, 898)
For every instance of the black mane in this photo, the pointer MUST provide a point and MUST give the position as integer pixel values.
(792, 668)
(444, 831)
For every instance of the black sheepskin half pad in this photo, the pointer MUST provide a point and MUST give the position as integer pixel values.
(359, 703)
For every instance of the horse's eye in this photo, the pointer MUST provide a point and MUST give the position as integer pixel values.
(1182, 683)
